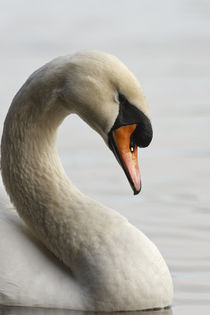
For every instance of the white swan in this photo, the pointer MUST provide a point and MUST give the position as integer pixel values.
(110, 265)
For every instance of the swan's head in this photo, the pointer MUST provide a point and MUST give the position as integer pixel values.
(102, 91)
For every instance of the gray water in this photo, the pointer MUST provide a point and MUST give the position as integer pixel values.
(167, 45)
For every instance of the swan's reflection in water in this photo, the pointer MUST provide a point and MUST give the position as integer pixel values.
(42, 311)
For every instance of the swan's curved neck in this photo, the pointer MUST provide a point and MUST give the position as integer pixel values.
(35, 179)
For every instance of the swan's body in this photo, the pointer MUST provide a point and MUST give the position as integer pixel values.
(111, 265)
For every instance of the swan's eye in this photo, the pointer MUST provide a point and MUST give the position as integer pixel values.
(121, 98)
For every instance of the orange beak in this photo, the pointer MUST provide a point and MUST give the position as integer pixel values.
(123, 145)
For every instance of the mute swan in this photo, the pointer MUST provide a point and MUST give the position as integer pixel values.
(109, 265)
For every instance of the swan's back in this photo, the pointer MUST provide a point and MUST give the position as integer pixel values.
(32, 276)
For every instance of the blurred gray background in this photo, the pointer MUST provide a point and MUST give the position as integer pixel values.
(167, 46)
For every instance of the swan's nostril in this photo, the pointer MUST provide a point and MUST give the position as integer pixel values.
(132, 143)
(132, 149)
